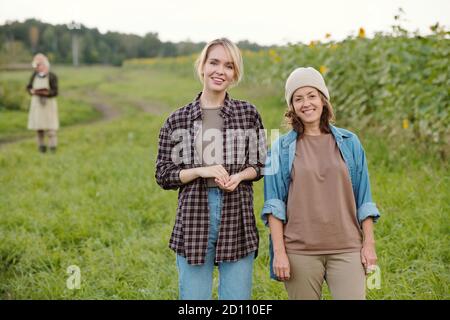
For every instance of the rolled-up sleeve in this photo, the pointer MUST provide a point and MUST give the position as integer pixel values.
(368, 209)
(275, 207)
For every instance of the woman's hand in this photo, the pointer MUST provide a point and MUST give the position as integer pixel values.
(369, 256)
(281, 266)
(231, 184)
(234, 180)
(217, 171)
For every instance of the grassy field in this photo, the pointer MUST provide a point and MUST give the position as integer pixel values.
(95, 203)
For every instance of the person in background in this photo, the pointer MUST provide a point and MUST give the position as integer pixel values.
(318, 204)
(43, 113)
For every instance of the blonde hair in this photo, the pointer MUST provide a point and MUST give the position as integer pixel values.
(40, 57)
(232, 50)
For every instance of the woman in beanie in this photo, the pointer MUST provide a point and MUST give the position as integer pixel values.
(318, 202)
(43, 114)
(199, 156)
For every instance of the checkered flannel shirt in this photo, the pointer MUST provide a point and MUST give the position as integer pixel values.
(238, 235)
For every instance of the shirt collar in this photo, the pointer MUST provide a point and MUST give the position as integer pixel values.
(227, 109)
(339, 135)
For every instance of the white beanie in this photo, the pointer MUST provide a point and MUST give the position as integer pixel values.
(305, 77)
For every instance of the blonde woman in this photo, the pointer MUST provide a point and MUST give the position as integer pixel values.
(43, 114)
(318, 204)
(215, 223)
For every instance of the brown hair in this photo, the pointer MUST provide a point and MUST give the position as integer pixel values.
(327, 117)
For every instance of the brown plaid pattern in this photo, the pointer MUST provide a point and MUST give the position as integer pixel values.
(238, 235)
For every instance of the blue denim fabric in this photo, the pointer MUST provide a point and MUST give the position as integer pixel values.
(235, 278)
(277, 177)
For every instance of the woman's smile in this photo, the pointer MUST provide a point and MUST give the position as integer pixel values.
(308, 111)
(218, 80)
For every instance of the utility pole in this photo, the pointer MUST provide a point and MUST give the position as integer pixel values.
(73, 26)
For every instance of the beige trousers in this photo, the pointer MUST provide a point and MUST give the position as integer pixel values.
(343, 272)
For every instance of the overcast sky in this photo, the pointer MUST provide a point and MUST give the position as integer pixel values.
(264, 22)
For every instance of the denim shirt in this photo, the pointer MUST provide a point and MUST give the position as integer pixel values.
(277, 177)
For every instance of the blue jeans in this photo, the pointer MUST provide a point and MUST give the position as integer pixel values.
(235, 278)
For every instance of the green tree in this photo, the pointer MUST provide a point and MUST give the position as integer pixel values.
(150, 46)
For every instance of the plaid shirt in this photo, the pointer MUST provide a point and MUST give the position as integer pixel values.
(238, 235)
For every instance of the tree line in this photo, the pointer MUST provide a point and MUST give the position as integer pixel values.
(20, 40)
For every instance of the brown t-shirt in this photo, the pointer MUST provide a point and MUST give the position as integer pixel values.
(321, 210)
(210, 146)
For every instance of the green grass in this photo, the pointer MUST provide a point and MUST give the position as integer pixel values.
(95, 203)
